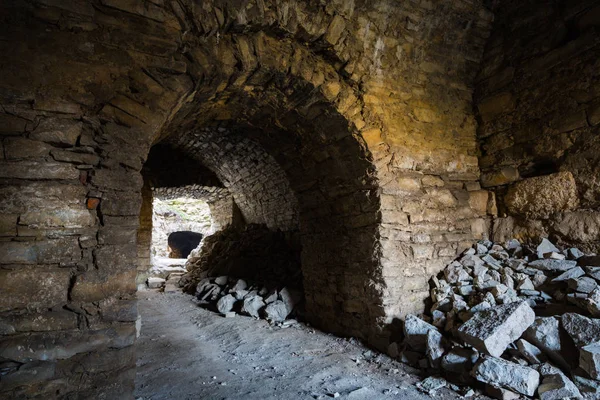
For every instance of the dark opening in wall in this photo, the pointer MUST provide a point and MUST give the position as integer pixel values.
(182, 243)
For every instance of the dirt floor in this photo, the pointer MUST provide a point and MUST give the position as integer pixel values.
(187, 352)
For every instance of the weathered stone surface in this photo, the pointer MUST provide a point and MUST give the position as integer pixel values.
(583, 284)
(33, 288)
(459, 360)
(589, 359)
(276, 311)
(540, 197)
(252, 305)
(530, 352)
(225, 304)
(507, 375)
(415, 332)
(553, 265)
(21, 148)
(545, 334)
(573, 273)
(582, 330)
(555, 385)
(57, 131)
(155, 283)
(37, 170)
(544, 247)
(493, 330)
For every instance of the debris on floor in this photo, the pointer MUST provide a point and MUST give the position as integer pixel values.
(513, 320)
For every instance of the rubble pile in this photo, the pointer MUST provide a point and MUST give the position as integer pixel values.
(514, 320)
(253, 253)
(230, 296)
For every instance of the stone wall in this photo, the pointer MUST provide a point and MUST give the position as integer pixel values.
(256, 182)
(365, 107)
(219, 201)
(538, 99)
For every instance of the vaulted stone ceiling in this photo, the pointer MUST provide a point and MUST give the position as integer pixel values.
(359, 114)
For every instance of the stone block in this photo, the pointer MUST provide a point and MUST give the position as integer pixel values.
(75, 157)
(507, 375)
(276, 311)
(30, 373)
(555, 385)
(253, 304)
(49, 251)
(20, 148)
(225, 304)
(64, 217)
(8, 224)
(121, 203)
(33, 288)
(415, 332)
(115, 258)
(94, 286)
(58, 131)
(542, 196)
(493, 330)
(57, 320)
(37, 170)
(505, 176)
(581, 329)
(553, 265)
(545, 334)
(589, 359)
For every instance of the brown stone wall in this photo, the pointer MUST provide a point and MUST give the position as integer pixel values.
(365, 106)
(538, 99)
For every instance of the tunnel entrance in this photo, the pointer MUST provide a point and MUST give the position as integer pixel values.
(182, 243)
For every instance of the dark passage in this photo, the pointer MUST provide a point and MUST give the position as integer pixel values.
(182, 243)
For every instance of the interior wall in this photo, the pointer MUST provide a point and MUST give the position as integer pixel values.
(538, 99)
(370, 100)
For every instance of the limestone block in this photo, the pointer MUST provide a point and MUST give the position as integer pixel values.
(542, 196)
(225, 303)
(493, 330)
(50, 251)
(58, 131)
(507, 375)
(276, 311)
(459, 360)
(415, 332)
(505, 176)
(549, 264)
(19, 148)
(478, 201)
(589, 359)
(33, 288)
(582, 330)
(253, 304)
(38, 170)
(555, 385)
(94, 286)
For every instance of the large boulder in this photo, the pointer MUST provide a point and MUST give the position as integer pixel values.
(493, 330)
(540, 197)
(507, 375)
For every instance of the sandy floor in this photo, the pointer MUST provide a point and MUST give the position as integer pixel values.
(186, 352)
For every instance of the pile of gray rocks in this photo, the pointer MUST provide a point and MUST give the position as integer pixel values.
(231, 296)
(513, 320)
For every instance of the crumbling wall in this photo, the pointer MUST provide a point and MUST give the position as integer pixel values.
(538, 99)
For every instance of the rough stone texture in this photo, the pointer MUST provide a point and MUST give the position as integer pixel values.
(493, 330)
(542, 196)
(365, 110)
(545, 333)
(507, 375)
(589, 359)
(555, 385)
(416, 332)
(582, 330)
(545, 133)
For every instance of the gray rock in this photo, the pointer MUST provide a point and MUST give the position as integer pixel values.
(555, 385)
(553, 265)
(471, 261)
(545, 334)
(593, 302)
(240, 284)
(582, 330)
(456, 273)
(481, 249)
(434, 347)
(240, 294)
(570, 274)
(501, 394)
(290, 298)
(589, 360)
(155, 283)
(574, 253)
(432, 384)
(459, 360)
(210, 292)
(507, 375)
(225, 304)
(252, 305)
(583, 284)
(538, 280)
(493, 330)
(525, 284)
(555, 256)
(221, 280)
(593, 272)
(271, 297)
(588, 386)
(438, 318)
(544, 247)
(530, 352)
(277, 311)
(491, 262)
(415, 332)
